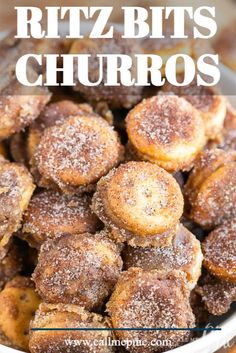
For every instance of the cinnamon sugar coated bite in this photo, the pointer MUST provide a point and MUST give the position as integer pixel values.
(151, 299)
(139, 202)
(16, 189)
(53, 114)
(219, 250)
(51, 213)
(18, 303)
(166, 130)
(217, 295)
(211, 188)
(19, 105)
(208, 101)
(74, 155)
(183, 254)
(19, 110)
(68, 316)
(77, 269)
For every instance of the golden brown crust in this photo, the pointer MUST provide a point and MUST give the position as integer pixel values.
(68, 316)
(226, 45)
(207, 163)
(207, 100)
(116, 96)
(16, 189)
(51, 213)
(139, 197)
(219, 250)
(121, 235)
(150, 299)
(184, 254)
(18, 302)
(166, 130)
(210, 189)
(75, 154)
(77, 269)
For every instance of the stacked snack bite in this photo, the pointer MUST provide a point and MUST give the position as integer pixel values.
(18, 303)
(75, 154)
(140, 203)
(51, 214)
(184, 253)
(219, 250)
(67, 316)
(16, 189)
(207, 101)
(151, 299)
(165, 130)
(77, 269)
(210, 189)
(53, 114)
(19, 106)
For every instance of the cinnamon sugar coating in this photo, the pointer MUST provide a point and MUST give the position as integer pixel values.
(67, 316)
(151, 299)
(183, 254)
(16, 189)
(18, 303)
(77, 269)
(219, 250)
(75, 154)
(166, 130)
(207, 100)
(53, 114)
(51, 213)
(139, 200)
(18, 111)
(210, 188)
(217, 295)
(19, 105)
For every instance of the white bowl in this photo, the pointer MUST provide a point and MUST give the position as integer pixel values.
(213, 340)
